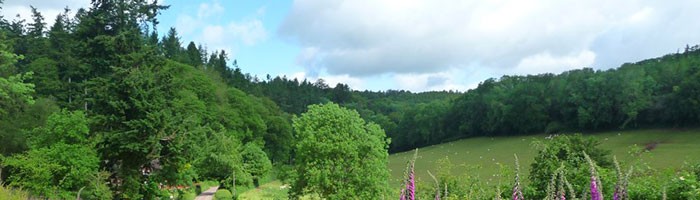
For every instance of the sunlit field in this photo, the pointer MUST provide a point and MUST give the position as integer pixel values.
(673, 149)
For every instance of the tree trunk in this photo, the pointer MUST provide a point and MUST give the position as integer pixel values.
(86, 103)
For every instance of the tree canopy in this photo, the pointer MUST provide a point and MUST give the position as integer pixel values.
(338, 155)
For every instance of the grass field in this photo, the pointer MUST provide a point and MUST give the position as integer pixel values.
(271, 190)
(673, 149)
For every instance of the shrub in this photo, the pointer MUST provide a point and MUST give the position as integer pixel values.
(567, 150)
(223, 194)
(684, 185)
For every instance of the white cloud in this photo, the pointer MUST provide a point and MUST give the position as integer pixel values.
(229, 35)
(186, 24)
(418, 39)
(215, 36)
(548, 63)
(298, 75)
(209, 9)
(446, 80)
(331, 80)
(249, 32)
(352, 82)
(48, 9)
(233, 35)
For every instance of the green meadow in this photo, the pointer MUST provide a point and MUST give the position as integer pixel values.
(483, 156)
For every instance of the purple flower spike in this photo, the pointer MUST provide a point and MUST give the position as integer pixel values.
(411, 187)
(595, 193)
(403, 194)
(562, 197)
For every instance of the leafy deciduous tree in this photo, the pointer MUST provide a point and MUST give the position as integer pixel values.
(338, 155)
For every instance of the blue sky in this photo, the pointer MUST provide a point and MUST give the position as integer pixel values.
(248, 31)
(256, 48)
(422, 45)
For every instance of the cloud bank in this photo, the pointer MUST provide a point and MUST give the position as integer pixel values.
(430, 44)
(228, 35)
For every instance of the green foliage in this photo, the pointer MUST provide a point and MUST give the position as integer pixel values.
(220, 159)
(62, 127)
(12, 194)
(58, 171)
(45, 75)
(338, 155)
(567, 151)
(14, 92)
(223, 194)
(255, 162)
(187, 195)
(60, 161)
(651, 183)
(14, 131)
(685, 186)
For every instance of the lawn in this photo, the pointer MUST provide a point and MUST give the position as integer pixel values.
(271, 190)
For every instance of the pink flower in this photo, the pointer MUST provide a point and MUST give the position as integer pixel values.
(595, 192)
(411, 187)
(403, 194)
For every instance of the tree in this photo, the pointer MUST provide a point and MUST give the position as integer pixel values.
(171, 45)
(194, 56)
(37, 28)
(338, 155)
(219, 159)
(14, 91)
(340, 93)
(45, 76)
(15, 96)
(255, 162)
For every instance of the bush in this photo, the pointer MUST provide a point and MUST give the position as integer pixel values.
(223, 194)
(568, 150)
(685, 186)
(187, 195)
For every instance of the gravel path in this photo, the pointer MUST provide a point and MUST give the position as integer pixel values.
(207, 195)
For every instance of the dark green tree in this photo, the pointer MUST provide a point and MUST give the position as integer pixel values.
(171, 45)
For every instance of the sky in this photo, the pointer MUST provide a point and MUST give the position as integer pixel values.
(421, 45)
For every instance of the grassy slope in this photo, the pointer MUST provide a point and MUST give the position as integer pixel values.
(674, 148)
(271, 190)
